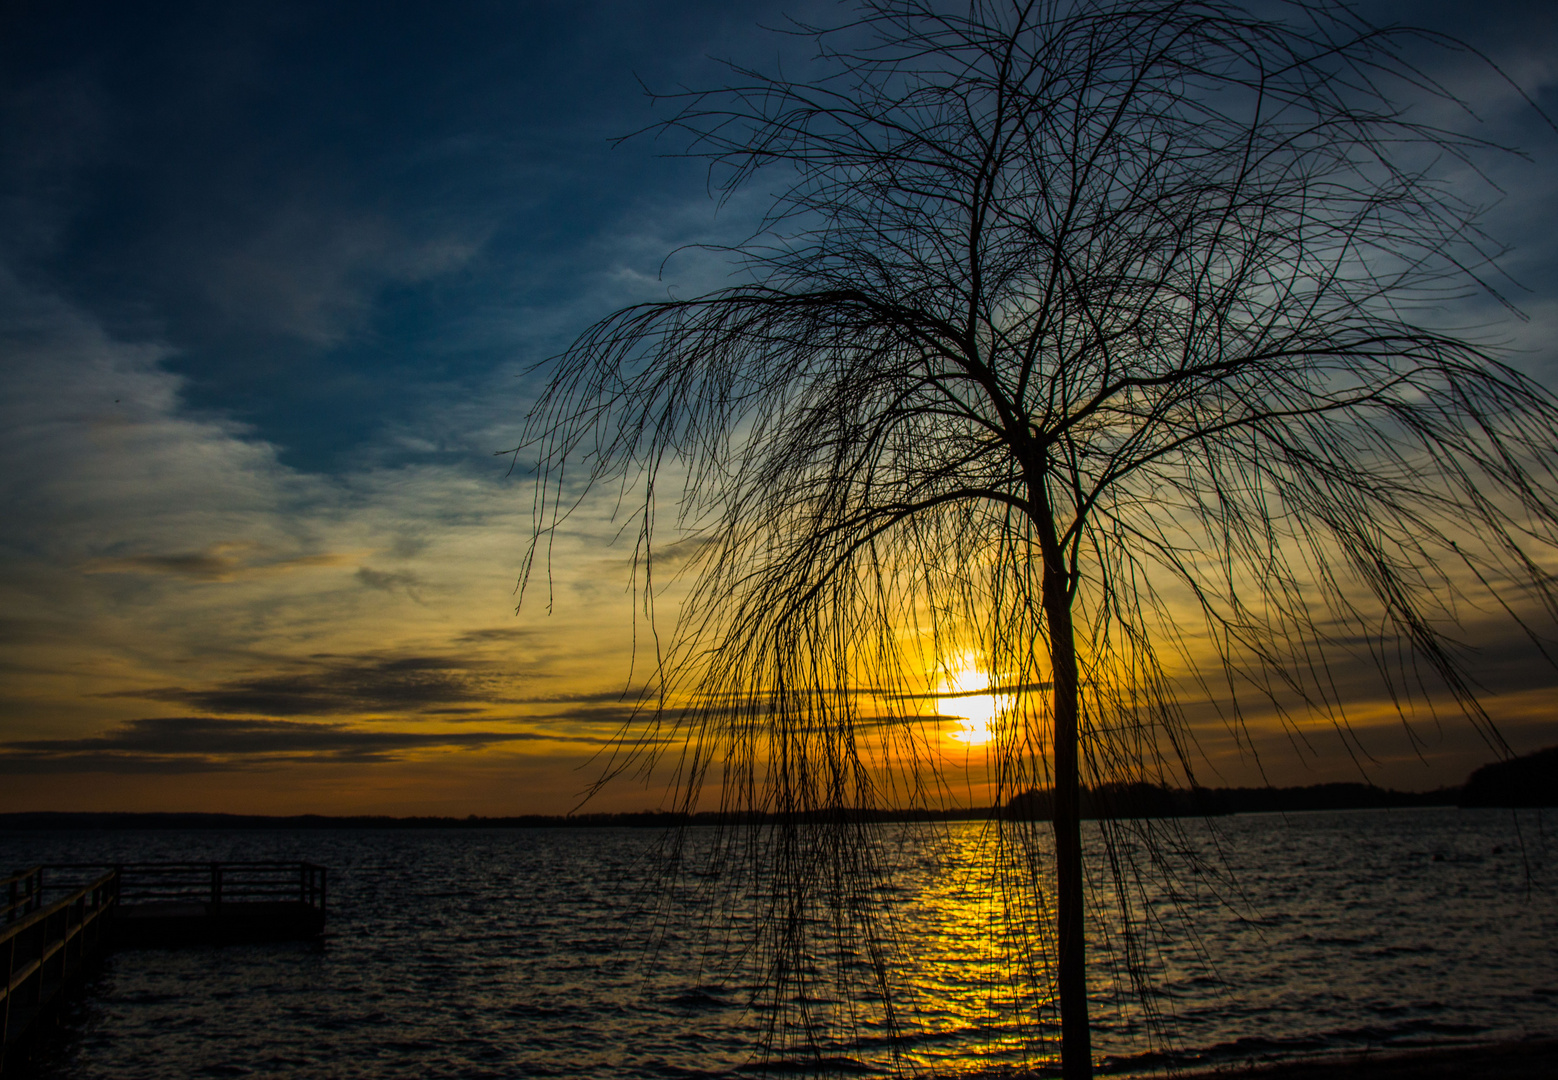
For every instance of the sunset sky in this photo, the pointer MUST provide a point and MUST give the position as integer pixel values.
(271, 279)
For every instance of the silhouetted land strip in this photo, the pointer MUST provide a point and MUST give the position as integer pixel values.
(1133, 801)
(1528, 781)
(1531, 780)
(1153, 801)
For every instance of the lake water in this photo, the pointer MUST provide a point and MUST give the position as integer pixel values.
(554, 953)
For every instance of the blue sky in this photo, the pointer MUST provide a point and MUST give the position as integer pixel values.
(330, 213)
(270, 278)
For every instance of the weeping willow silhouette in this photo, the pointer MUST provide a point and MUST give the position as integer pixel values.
(1094, 340)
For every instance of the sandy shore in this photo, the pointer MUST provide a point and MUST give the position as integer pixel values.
(1533, 1060)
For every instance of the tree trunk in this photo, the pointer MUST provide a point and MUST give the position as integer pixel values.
(1076, 1038)
(1076, 1045)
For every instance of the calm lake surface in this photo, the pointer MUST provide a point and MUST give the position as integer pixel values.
(522, 953)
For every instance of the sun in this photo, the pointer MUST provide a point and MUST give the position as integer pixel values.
(963, 694)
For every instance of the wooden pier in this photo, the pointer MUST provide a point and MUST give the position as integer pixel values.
(59, 917)
(45, 944)
(169, 904)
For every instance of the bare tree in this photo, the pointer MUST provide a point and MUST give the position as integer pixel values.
(1093, 337)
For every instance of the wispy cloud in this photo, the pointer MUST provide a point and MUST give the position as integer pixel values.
(225, 561)
(203, 744)
(388, 580)
(502, 634)
(331, 685)
(314, 270)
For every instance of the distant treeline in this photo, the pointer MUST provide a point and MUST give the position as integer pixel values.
(650, 819)
(1153, 801)
(1531, 780)
(90, 820)
(1527, 781)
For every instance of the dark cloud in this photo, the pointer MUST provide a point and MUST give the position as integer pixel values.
(408, 547)
(335, 685)
(985, 691)
(388, 580)
(584, 698)
(638, 719)
(218, 562)
(682, 553)
(198, 566)
(495, 633)
(204, 743)
(612, 717)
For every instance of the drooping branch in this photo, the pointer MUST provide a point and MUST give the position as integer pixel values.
(1086, 338)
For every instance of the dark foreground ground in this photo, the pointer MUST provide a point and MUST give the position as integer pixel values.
(1534, 1060)
(1531, 1059)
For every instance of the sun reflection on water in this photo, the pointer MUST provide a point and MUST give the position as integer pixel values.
(980, 994)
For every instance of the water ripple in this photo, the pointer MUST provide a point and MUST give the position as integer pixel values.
(1347, 930)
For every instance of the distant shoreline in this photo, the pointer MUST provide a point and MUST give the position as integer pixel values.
(1164, 803)
(1528, 781)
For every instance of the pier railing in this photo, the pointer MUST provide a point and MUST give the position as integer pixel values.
(43, 944)
(24, 893)
(215, 883)
(58, 915)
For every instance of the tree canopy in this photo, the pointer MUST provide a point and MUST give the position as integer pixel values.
(1098, 340)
